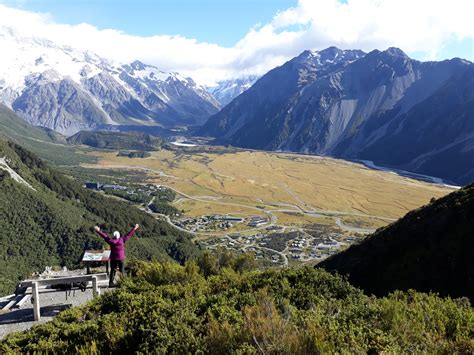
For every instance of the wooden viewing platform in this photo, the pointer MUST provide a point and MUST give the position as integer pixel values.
(70, 280)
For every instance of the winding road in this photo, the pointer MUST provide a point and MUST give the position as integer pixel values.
(313, 212)
(301, 207)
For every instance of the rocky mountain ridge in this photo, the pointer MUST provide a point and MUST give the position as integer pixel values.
(381, 106)
(70, 90)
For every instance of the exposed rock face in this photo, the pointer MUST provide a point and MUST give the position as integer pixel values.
(271, 97)
(69, 90)
(59, 104)
(380, 106)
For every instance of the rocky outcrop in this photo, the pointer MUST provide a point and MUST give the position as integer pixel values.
(59, 104)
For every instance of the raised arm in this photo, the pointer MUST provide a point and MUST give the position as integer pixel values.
(129, 234)
(102, 234)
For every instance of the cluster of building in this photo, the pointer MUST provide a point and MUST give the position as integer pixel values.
(300, 247)
(215, 222)
(257, 221)
(98, 186)
(330, 244)
(256, 244)
(296, 247)
(135, 193)
(208, 223)
(213, 244)
(259, 239)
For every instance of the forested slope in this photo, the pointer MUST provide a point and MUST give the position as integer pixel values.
(430, 249)
(117, 140)
(50, 223)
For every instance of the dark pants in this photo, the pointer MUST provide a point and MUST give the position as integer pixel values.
(114, 265)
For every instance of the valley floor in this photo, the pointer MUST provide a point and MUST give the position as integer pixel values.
(284, 207)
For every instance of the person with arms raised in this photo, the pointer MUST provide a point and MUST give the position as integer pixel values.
(117, 250)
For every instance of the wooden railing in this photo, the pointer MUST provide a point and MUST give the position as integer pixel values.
(36, 284)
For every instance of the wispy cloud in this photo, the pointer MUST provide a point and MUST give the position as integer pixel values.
(421, 26)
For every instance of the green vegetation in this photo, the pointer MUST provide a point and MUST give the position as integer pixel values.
(139, 198)
(143, 194)
(164, 194)
(219, 303)
(164, 208)
(53, 225)
(117, 140)
(430, 249)
(13, 125)
(134, 154)
(215, 306)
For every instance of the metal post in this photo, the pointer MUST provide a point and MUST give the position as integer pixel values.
(36, 303)
(95, 287)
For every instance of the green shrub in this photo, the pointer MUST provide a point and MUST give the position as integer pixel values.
(168, 308)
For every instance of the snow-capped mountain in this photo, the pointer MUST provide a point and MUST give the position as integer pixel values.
(69, 90)
(381, 106)
(225, 91)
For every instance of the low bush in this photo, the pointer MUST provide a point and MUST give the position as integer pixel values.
(168, 308)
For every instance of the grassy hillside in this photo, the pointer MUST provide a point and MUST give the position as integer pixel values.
(117, 140)
(167, 308)
(430, 249)
(14, 126)
(46, 143)
(51, 222)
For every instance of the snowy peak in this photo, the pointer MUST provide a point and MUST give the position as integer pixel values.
(330, 55)
(306, 55)
(311, 65)
(83, 90)
(227, 90)
(24, 56)
(137, 65)
(142, 71)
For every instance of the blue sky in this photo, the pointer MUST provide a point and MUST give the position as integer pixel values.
(217, 21)
(211, 40)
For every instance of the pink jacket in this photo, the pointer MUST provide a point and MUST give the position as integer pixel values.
(117, 246)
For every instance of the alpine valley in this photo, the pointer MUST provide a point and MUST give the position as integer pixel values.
(381, 106)
(325, 206)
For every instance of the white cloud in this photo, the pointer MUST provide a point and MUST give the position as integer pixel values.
(413, 25)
